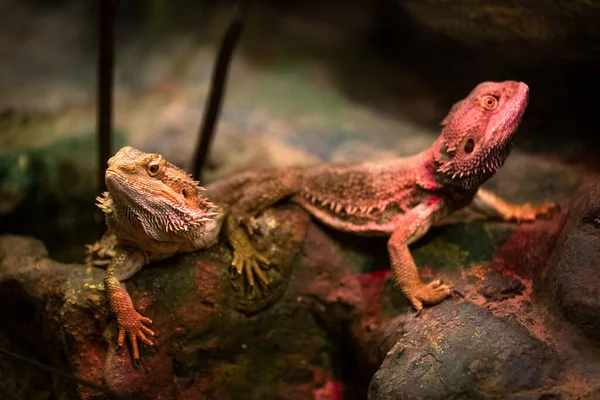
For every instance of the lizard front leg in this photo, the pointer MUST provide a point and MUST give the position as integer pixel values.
(262, 195)
(124, 265)
(493, 206)
(246, 258)
(101, 252)
(240, 215)
(410, 228)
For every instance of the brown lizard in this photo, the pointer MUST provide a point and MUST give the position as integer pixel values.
(401, 198)
(153, 210)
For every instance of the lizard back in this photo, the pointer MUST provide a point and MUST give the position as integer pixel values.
(365, 198)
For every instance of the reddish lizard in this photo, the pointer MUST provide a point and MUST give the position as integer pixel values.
(401, 198)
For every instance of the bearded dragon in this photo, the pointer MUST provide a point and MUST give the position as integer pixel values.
(402, 198)
(154, 210)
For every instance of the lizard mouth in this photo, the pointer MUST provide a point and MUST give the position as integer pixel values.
(115, 181)
(518, 103)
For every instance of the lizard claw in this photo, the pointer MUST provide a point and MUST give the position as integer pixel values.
(248, 263)
(132, 325)
(431, 293)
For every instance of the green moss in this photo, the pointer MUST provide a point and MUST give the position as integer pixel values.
(461, 245)
(499, 232)
(442, 255)
(227, 373)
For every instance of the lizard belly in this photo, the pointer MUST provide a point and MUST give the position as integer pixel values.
(364, 226)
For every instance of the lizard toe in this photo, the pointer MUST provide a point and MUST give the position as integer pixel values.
(547, 209)
(140, 335)
(262, 260)
(250, 224)
(260, 274)
(132, 325)
(121, 340)
(417, 304)
(237, 263)
(249, 274)
(134, 345)
(431, 293)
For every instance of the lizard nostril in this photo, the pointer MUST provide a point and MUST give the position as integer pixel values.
(510, 92)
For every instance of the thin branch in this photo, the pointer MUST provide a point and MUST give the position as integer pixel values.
(105, 85)
(217, 88)
(71, 377)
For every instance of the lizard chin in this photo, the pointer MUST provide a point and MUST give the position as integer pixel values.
(118, 186)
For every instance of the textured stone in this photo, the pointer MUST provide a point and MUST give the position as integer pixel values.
(463, 351)
(209, 344)
(513, 26)
(573, 275)
(322, 331)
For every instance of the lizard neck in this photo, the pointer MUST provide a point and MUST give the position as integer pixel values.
(467, 182)
(417, 170)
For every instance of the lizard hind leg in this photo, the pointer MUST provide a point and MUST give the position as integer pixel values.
(494, 206)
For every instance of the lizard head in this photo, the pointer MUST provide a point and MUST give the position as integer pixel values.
(477, 132)
(162, 197)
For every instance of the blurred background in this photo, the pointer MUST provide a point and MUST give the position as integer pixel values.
(310, 81)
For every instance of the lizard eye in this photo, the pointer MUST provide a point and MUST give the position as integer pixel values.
(153, 167)
(489, 102)
(469, 146)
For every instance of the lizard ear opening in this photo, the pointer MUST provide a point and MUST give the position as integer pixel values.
(188, 193)
(469, 146)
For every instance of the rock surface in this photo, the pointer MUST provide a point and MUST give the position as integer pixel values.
(208, 344)
(541, 27)
(464, 351)
(501, 342)
(333, 321)
(573, 276)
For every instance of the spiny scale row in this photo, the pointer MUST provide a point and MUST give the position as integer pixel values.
(349, 209)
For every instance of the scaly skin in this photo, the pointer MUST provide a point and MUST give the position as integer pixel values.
(404, 197)
(154, 210)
